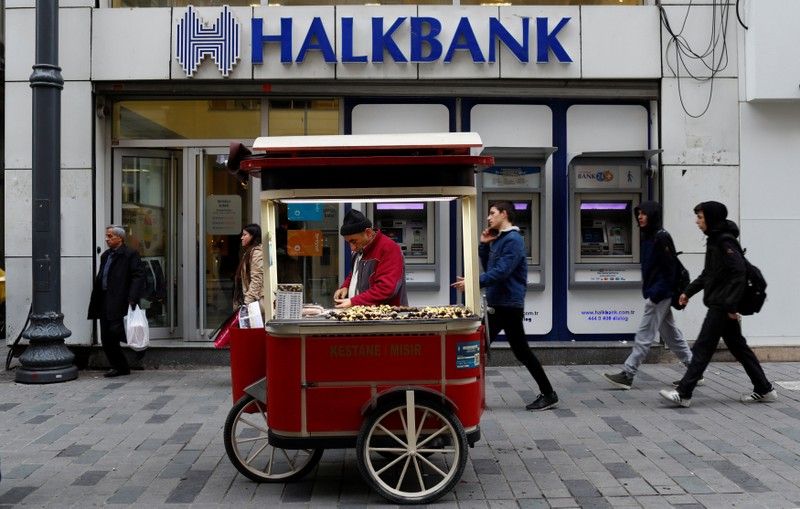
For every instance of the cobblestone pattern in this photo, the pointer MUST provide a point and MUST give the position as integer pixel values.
(154, 439)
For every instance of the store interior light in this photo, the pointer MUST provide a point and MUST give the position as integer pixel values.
(366, 200)
(604, 206)
(400, 206)
(135, 170)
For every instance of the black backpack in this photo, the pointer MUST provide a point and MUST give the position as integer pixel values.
(755, 289)
(682, 277)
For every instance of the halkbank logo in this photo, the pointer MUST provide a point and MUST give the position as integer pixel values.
(413, 39)
(219, 41)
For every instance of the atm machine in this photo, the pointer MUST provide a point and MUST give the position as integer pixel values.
(605, 187)
(411, 224)
(604, 273)
(519, 177)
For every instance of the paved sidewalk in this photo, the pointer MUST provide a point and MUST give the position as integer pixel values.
(154, 439)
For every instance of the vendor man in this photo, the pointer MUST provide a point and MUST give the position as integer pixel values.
(378, 274)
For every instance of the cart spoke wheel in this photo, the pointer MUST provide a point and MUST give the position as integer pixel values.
(248, 448)
(412, 450)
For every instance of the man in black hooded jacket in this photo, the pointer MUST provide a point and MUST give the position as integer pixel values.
(659, 271)
(722, 282)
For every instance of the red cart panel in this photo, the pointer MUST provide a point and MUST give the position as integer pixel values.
(248, 358)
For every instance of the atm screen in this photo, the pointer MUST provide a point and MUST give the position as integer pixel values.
(396, 234)
(593, 236)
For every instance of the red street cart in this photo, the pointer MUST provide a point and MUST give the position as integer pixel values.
(406, 390)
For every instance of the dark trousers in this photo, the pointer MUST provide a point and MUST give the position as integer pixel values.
(718, 324)
(510, 320)
(112, 333)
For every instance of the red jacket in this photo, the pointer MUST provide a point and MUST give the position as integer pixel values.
(381, 274)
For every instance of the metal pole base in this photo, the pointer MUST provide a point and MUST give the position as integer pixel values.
(47, 359)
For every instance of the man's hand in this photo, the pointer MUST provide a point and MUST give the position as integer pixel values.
(733, 316)
(459, 284)
(683, 299)
(339, 294)
(343, 303)
(488, 235)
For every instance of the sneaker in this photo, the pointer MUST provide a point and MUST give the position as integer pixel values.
(543, 402)
(621, 379)
(676, 383)
(759, 398)
(676, 398)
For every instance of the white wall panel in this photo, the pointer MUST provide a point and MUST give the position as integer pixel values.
(513, 125)
(770, 155)
(569, 37)
(19, 208)
(620, 42)
(131, 44)
(314, 65)
(598, 127)
(701, 28)
(770, 246)
(19, 125)
(20, 44)
(685, 187)
(76, 212)
(400, 118)
(771, 46)
(19, 286)
(208, 68)
(713, 138)
(76, 287)
(77, 110)
(362, 42)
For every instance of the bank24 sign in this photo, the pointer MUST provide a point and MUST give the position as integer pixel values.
(427, 40)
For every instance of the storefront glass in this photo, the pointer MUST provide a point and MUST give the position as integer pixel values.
(191, 119)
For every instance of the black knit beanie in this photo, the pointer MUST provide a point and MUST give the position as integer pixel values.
(354, 222)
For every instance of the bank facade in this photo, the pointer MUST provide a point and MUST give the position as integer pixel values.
(587, 109)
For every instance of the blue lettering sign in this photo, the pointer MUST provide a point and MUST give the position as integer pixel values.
(194, 42)
(545, 41)
(383, 41)
(418, 38)
(347, 43)
(498, 31)
(259, 39)
(464, 32)
(316, 32)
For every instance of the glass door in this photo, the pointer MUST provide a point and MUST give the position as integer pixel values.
(224, 205)
(146, 204)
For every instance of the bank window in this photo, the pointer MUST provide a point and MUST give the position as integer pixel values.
(189, 119)
(303, 117)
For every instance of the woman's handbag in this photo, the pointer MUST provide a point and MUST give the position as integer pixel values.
(137, 332)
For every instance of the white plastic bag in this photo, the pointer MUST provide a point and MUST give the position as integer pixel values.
(250, 316)
(136, 330)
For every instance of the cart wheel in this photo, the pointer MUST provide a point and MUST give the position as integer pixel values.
(248, 447)
(412, 450)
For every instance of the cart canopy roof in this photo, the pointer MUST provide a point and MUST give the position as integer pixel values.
(417, 164)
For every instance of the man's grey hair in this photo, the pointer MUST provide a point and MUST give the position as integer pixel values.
(117, 230)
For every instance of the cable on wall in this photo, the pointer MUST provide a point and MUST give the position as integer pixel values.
(714, 57)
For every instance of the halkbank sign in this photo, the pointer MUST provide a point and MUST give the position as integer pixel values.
(369, 39)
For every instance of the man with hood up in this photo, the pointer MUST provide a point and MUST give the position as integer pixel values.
(723, 283)
(659, 271)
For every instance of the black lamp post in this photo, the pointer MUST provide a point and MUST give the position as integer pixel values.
(47, 359)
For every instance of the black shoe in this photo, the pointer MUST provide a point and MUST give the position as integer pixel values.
(114, 372)
(676, 383)
(621, 379)
(544, 402)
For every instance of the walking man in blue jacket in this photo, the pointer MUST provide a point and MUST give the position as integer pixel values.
(505, 277)
(659, 272)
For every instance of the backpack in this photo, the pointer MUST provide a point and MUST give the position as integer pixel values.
(755, 288)
(682, 276)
